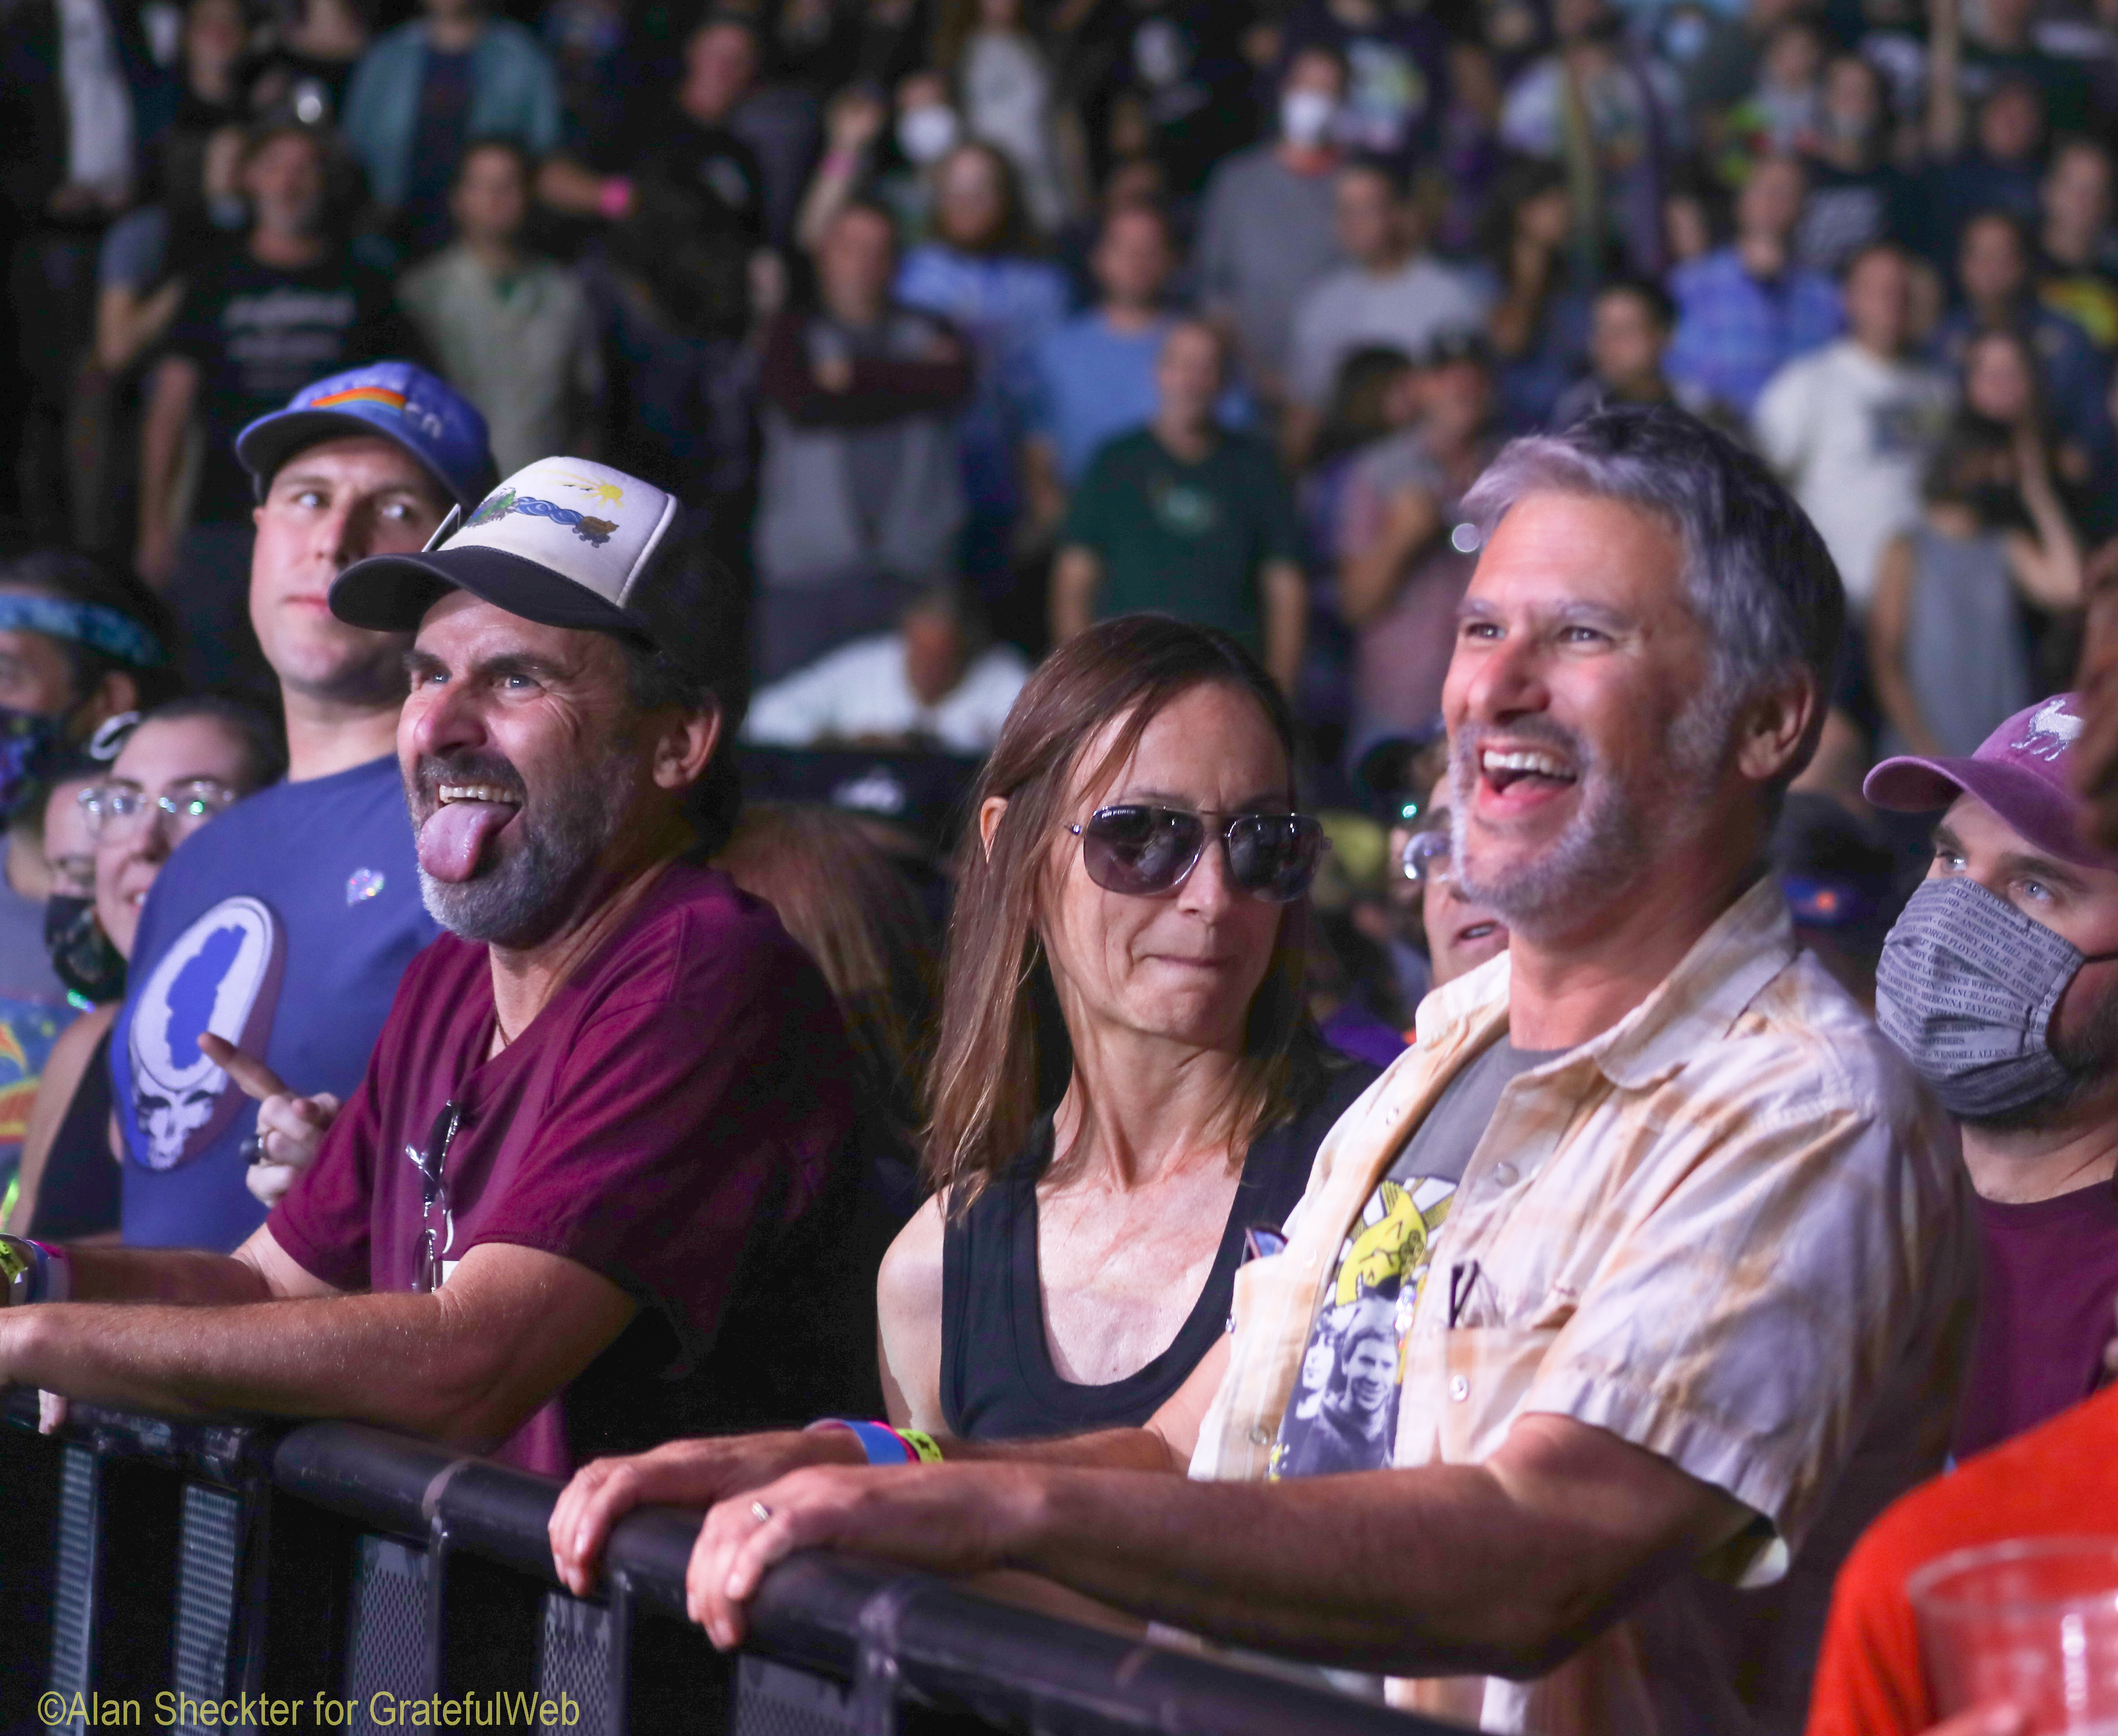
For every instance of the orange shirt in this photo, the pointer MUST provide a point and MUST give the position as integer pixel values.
(2058, 1479)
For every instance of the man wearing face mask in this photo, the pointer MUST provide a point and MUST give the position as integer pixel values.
(2019, 911)
(2000, 984)
(1266, 233)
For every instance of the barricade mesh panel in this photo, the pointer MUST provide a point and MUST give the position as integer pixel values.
(207, 1570)
(573, 1657)
(771, 1700)
(73, 1592)
(385, 1650)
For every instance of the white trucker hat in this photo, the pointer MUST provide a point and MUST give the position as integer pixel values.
(563, 541)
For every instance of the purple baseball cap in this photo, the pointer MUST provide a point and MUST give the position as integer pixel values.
(430, 419)
(2019, 772)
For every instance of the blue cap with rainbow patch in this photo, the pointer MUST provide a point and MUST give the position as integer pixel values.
(401, 401)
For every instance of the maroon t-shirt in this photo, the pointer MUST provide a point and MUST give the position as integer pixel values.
(2045, 1315)
(675, 1118)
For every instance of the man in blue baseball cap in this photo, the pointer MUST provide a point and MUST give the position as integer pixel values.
(306, 914)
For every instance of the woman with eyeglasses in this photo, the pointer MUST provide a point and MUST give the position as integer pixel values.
(1125, 1092)
(184, 763)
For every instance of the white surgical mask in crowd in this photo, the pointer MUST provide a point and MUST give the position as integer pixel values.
(927, 134)
(1305, 116)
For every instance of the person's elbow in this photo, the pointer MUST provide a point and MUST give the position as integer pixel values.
(475, 1407)
(490, 1378)
(1546, 1616)
(479, 1392)
(1547, 1622)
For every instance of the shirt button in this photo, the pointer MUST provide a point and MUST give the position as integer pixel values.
(1504, 1176)
(1459, 1388)
(1260, 1436)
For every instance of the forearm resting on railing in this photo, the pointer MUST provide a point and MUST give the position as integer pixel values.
(466, 1364)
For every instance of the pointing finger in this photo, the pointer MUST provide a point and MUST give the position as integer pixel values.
(256, 1079)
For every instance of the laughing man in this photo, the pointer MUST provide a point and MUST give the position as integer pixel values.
(1693, 1313)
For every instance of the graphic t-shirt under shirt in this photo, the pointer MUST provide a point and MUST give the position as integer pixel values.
(2044, 1312)
(676, 1116)
(287, 924)
(1344, 1415)
(259, 335)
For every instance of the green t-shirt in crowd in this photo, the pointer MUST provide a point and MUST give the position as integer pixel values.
(1183, 539)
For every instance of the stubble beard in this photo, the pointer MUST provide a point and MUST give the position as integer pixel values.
(533, 893)
(1617, 829)
(2088, 1057)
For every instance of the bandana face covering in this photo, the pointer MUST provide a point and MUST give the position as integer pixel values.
(1966, 988)
(82, 955)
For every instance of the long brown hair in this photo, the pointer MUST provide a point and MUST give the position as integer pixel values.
(1004, 1055)
(858, 918)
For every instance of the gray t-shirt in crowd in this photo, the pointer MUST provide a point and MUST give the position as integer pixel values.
(1344, 1415)
(1265, 237)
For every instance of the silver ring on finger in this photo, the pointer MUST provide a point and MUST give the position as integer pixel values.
(760, 1512)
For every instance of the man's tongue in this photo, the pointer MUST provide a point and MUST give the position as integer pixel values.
(453, 836)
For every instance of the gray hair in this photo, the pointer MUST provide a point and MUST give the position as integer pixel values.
(1759, 578)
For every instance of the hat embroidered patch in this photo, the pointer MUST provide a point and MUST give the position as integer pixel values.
(592, 531)
(612, 524)
(2052, 729)
(433, 422)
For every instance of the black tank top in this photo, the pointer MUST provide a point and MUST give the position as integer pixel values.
(79, 1193)
(997, 1380)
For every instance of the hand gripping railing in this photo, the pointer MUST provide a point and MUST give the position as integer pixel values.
(187, 1575)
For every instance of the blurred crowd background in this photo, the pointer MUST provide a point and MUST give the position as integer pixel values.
(971, 322)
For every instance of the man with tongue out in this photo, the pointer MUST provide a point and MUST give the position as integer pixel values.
(590, 1192)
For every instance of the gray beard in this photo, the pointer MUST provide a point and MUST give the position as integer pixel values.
(2088, 1057)
(1615, 832)
(532, 895)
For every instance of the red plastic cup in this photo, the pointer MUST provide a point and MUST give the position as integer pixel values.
(2032, 1623)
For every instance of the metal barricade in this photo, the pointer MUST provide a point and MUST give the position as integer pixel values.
(158, 1574)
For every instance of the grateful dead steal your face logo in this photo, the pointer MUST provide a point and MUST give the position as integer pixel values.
(594, 532)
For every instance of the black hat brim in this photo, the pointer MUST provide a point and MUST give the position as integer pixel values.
(391, 593)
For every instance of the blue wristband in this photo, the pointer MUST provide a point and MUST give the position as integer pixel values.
(33, 1271)
(883, 1446)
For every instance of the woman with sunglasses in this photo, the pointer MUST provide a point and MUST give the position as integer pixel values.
(1124, 1091)
(180, 766)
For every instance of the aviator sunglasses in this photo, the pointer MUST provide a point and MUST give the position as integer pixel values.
(1143, 851)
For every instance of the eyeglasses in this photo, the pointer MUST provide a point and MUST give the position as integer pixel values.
(1143, 851)
(434, 1196)
(1426, 860)
(117, 809)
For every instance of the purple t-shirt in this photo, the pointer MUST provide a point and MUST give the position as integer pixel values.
(2045, 1315)
(675, 1118)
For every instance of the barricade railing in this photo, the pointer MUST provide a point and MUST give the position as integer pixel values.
(197, 1576)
